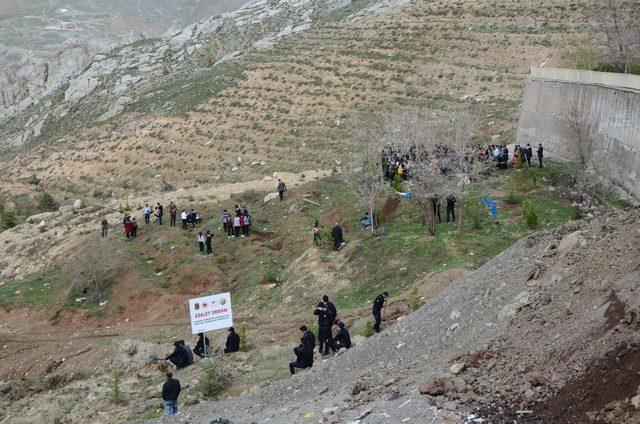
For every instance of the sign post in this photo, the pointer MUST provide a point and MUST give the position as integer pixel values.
(210, 313)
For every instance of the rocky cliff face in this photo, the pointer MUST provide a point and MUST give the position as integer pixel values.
(40, 92)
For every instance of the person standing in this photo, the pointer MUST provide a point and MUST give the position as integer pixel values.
(226, 223)
(160, 213)
(528, 152)
(147, 213)
(134, 228)
(325, 321)
(170, 392)
(317, 240)
(540, 154)
(128, 227)
(183, 217)
(281, 189)
(236, 225)
(104, 225)
(451, 207)
(173, 211)
(207, 241)
(201, 242)
(330, 306)
(338, 241)
(378, 304)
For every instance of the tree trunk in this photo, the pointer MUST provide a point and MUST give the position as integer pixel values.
(460, 215)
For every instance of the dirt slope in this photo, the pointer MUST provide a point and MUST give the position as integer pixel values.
(577, 310)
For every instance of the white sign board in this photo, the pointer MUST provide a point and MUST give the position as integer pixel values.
(210, 313)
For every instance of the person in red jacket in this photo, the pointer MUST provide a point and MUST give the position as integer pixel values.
(128, 227)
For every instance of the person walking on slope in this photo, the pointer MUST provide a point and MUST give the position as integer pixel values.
(147, 213)
(104, 225)
(207, 241)
(540, 154)
(281, 189)
(227, 223)
(338, 241)
(170, 392)
(317, 240)
(173, 210)
(201, 242)
(378, 304)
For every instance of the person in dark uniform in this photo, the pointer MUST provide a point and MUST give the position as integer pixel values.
(281, 189)
(342, 338)
(202, 346)
(338, 241)
(207, 241)
(528, 151)
(451, 208)
(179, 356)
(540, 154)
(330, 306)
(378, 304)
(233, 341)
(304, 358)
(308, 336)
(160, 213)
(325, 321)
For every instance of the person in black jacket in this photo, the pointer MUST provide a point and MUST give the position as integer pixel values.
(325, 321)
(330, 306)
(338, 241)
(304, 358)
(342, 338)
(540, 150)
(451, 208)
(170, 392)
(528, 152)
(202, 346)
(233, 341)
(179, 356)
(207, 241)
(308, 337)
(378, 304)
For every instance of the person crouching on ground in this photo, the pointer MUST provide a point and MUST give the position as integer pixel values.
(304, 357)
(233, 341)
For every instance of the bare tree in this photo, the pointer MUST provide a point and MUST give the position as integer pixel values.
(620, 22)
(366, 175)
(462, 166)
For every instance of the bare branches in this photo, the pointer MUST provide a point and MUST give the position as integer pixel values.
(620, 22)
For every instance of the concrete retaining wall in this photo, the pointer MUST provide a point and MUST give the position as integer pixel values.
(609, 102)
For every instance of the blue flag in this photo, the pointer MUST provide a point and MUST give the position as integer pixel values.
(492, 206)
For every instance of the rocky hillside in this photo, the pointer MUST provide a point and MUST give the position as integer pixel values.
(547, 331)
(273, 83)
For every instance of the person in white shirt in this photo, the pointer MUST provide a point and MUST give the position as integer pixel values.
(183, 216)
(236, 226)
(201, 242)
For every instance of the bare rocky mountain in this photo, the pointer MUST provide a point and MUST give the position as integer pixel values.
(36, 29)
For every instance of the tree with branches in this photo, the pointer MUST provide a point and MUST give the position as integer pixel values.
(366, 175)
(461, 166)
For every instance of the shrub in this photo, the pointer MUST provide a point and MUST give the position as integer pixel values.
(512, 198)
(33, 179)
(397, 183)
(530, 214)
(415, 302)
(213, 380)
(250, 196)
(242, 333)
(369, 329)
(167, 186)
(9, 220)
(115, 393)
(576, 212)
(46, 203)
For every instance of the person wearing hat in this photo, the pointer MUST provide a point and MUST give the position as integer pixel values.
(378, 304)
(233, 341)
